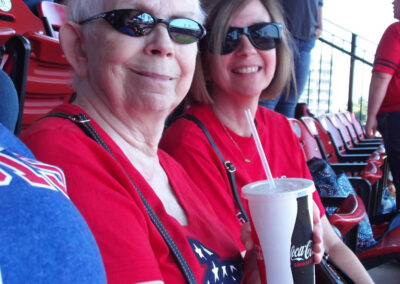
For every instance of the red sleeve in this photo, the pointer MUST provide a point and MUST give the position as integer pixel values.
(387, 57)
(117, 223)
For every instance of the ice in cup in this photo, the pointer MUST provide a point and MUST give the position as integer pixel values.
(281, 220)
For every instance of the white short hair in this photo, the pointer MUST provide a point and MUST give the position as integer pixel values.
(79, 10)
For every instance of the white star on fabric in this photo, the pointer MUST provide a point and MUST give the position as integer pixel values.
(232, 267)
(224, 273)
(207, 251)
(198, 251)
(215, 271)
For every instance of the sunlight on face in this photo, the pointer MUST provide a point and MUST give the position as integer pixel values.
(246, 71)
(152, 72)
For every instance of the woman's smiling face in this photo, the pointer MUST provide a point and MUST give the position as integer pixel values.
(246, 71)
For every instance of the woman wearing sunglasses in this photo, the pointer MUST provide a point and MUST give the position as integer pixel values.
(244, 57)
(133, 63)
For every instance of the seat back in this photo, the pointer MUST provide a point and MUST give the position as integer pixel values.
(322, 137)
(349, 214)
(341, 128)
(306, 139)
(349, 126)
(53, 15)
(337, 140)
(20, 18)
(358, 128)
(49, 81)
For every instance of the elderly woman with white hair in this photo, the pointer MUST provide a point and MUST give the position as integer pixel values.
(133, 62)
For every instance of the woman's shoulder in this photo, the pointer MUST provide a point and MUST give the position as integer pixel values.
(53, 123)
(51, 135)
(184, 129)
(270, 117)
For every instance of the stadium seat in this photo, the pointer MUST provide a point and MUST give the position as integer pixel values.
(325, 141)
(346, 137)
(358, 128)
(340, 145)
(312, 149)
(353, 135)
(49, 81)
(53, 15)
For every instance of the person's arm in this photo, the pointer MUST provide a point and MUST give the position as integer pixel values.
(318, 30)
(377, 91)
(343, 256)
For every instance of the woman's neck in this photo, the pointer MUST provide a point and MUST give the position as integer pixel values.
(128, 130)
(231, 113)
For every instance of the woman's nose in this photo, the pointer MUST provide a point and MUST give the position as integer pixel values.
(160, 42)
(245, 46)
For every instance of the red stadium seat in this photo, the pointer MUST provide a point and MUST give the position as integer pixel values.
(341, 146)
(335, 122)
(53, 14)
(331, 153)
(49, 81)
(353, 135)
(359, 129)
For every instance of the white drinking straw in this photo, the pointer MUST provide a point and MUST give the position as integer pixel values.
(260, 148)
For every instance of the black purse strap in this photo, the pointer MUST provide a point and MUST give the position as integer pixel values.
(83, 122)
(229, 167)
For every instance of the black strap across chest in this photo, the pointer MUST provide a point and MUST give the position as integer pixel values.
(229, 167)
(83, 122)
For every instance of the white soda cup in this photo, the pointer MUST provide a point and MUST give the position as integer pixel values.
(284, 251)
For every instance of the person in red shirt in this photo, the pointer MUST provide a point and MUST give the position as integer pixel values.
(244, 57)
(384, 96)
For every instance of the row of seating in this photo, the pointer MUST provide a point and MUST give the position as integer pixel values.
(31, 54)
(340, 140)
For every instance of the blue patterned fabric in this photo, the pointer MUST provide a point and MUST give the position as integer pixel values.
(388, 203)
(329, 184)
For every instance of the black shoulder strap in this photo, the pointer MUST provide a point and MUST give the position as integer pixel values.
(229, 167)
(83, 122)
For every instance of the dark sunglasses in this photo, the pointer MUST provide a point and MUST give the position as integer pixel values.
(137, 23)
(263, 36)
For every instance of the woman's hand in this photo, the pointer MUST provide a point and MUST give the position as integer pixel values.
(251, 273)
(318, 243)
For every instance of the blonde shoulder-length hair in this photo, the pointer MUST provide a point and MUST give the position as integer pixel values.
(220, 14)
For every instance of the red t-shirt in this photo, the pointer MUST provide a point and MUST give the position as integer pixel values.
(186, 142)
(387, 59)
(132, 248)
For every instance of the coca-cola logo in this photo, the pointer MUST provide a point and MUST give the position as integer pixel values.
(301, 253)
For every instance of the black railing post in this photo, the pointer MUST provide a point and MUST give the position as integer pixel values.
(351, 79)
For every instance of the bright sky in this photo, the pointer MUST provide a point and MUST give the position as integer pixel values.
(367, 18)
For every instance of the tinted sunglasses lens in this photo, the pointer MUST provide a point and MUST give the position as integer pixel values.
(132, 22)
(231, 41)
(265, 36)
(185, 31)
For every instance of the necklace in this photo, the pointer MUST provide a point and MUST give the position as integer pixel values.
(236, 145)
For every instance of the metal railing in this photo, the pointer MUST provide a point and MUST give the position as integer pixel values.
(340, 72)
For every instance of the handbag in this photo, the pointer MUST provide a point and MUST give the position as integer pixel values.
(327, 272)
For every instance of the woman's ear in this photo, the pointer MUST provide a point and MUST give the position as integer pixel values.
(73, 45)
